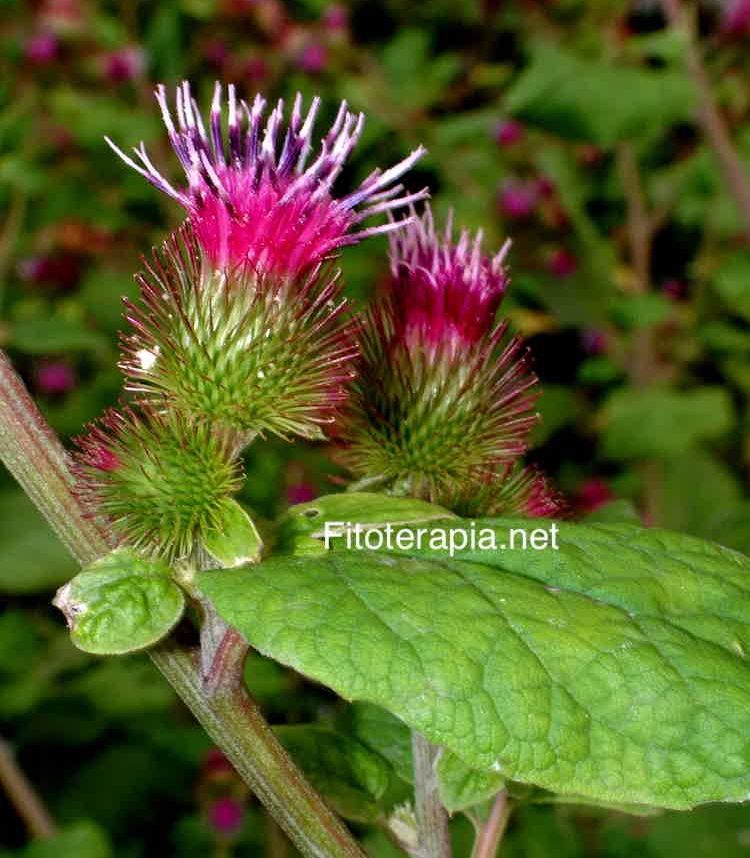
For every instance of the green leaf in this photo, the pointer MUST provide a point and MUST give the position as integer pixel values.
(657, 421)
(461, 787)
(349, 775)
(56, 334)
(303, 527)
(612, 668)
(381, 731)
(590, 100)
(120, 603)
(237, 540)
(732, 282)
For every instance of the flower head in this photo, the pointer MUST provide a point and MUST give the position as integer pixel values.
(253, 201)
(161, 480)
(226, 816)
(443, 396)
(736, 18)
(443, 293)
(251, 351)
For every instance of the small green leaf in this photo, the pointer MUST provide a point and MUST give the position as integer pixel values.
(79, 840)
(613, 668)
(304, 526)
(461, 787)
(350, 776)
(120, 603)
(237, 540)
(732, 282)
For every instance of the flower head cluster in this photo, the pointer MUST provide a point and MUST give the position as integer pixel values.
(443, 398)
(252, 198)
(248, 350)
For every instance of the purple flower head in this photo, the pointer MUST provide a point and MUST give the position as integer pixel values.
(509, 132)
(562, 263)
(444, 294)
(594, 341)
(55, 378)
(336, 18)
(225, 816)
(42, 49)
(125, 65)
(517, 200)
(313, 59)
(736, 18)
(253, 201)
(674, 288)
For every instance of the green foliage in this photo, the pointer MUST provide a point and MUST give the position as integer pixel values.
(586, 99)
(80, 840)
(489, 661)
(658, 422)
(33, 558)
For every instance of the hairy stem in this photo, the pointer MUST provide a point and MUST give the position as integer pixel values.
(23, 796)
(712, 122)
(491, 834)
(432, 818)
(38, 461)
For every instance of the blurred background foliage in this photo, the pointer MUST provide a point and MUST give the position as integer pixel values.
(569, 125)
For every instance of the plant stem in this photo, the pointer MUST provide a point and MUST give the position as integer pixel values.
(491, 835)
(23, 796)
(38, 461)
(432, 818)
(643, 364)
(712, 122)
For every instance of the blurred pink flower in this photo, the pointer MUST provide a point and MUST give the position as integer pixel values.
(125, 64)
(313, 59)
(225, 816)
(336, 18)
(42, 49)
(517, 200)
(594, 341)
(55, 378)
(562, 263)
(736, 18)
(509, 132)
(674, 288)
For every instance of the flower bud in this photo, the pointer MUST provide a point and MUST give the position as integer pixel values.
(162, 480)
(442, 394)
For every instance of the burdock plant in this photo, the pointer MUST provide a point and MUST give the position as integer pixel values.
(601, 663)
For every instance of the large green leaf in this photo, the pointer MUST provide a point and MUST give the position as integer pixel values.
(612, 668)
